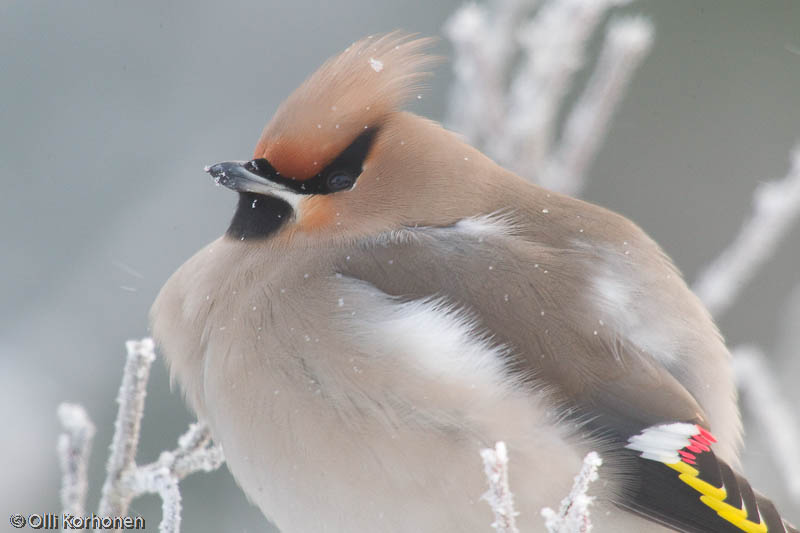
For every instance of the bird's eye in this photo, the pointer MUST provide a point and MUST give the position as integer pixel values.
(338, 181)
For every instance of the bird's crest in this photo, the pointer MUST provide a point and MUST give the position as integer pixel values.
(349, 93)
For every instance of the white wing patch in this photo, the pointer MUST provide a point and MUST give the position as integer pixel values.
(492, 225)
(444, 342)
(661, 443)
(616, 296)
(495, 224)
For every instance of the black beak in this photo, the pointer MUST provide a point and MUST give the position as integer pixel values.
(236, 176)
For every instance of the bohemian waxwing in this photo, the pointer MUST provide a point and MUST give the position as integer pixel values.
(388, 301)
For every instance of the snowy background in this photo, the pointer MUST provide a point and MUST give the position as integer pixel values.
(109, 112)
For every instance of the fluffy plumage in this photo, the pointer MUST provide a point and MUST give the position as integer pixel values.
(354, 355)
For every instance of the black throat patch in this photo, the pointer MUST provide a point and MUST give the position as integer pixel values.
(258, 216)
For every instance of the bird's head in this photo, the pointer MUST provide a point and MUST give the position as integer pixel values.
(339, 158)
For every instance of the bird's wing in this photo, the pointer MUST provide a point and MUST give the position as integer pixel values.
(531, 298)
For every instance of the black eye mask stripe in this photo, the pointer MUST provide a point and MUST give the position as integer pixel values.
(350, 161)
(259, 216)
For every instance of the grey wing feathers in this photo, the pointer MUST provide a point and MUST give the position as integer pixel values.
(534, 299)
(531, 298)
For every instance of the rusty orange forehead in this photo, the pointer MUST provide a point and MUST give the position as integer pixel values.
(298, 159)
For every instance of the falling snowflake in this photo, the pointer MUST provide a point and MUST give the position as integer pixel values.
(376, 64)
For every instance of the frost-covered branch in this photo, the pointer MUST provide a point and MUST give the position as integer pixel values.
(553, 46)
(125, 480)
(627, 42)
(195, 453)
(499, 496)
(762, 397)
(513, 73)
(484, 46)
(132, 392)
(776, 206)
(573, 515)
(74, 447)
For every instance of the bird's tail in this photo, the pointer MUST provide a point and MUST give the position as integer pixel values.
(691, 490)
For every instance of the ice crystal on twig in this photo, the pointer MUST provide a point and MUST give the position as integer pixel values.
(573, 515)
(513, 73)
(132, 392)
(499, 496)
(125, 480)
(626, 44)
(74, 448)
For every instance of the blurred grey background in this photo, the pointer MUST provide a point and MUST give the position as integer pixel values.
(109, 111)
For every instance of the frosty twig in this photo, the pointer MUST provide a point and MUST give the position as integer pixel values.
(626, 44)
(776, 206)
(132, 392)
(499, 496)
(125, 480)
(762, 396)
(573, 515)
(513, 72)
(74, 448)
